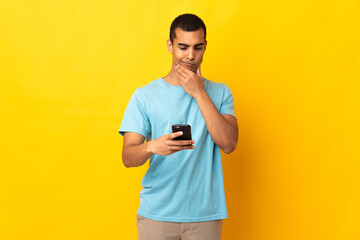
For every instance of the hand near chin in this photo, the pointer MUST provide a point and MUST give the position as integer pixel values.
(190, 81)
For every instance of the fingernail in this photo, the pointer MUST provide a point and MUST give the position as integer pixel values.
(193, 141)
(180, 133)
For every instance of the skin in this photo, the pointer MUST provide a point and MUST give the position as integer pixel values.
(187, 48)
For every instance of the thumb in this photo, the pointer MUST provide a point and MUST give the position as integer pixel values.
(174, 135)
(198, 71)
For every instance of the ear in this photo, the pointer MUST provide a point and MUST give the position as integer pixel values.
(169, 46)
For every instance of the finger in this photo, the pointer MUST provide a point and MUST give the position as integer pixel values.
(184, 69)
(180, 148)
(181, 71)
(181, 75)
(174, 135)
(182, 78)
(181, 142)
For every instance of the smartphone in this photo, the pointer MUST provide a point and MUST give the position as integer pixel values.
(185, 128)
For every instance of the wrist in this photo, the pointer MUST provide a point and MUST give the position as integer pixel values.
(202, 93)
(150, 147)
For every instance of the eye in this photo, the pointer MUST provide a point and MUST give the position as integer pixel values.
(183, 48)
(198, 48)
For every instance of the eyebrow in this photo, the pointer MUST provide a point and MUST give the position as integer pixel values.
(185, 45)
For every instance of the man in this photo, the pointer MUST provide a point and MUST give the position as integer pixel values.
(183, 192)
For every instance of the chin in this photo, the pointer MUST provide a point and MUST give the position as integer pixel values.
(191, 68)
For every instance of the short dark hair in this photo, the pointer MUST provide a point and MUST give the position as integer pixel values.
(186, 22)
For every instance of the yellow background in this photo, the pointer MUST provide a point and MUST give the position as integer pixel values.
(68, 69)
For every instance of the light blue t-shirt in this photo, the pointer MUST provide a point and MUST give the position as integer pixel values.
(186, 186)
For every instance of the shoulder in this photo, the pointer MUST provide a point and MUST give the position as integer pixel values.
(141, 92)
(216, 86)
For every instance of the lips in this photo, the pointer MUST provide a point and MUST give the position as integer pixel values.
(188, 64)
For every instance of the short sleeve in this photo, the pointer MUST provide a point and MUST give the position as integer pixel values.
(135, 118)
(227, 104)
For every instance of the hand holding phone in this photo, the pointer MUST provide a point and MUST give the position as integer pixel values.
(173, 142)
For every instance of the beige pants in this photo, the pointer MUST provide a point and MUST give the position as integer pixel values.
(155, 230)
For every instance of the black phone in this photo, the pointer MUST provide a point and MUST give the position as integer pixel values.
(185, 128)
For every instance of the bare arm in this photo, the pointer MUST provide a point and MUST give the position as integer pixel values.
(222, 128)
(136, 152)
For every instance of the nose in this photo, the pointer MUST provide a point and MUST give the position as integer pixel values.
(191, 55)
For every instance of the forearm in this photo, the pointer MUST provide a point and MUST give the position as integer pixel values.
(135, 152)
(221, 131)
(136, 155)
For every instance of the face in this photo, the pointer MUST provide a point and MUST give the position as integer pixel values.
(188, 48)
